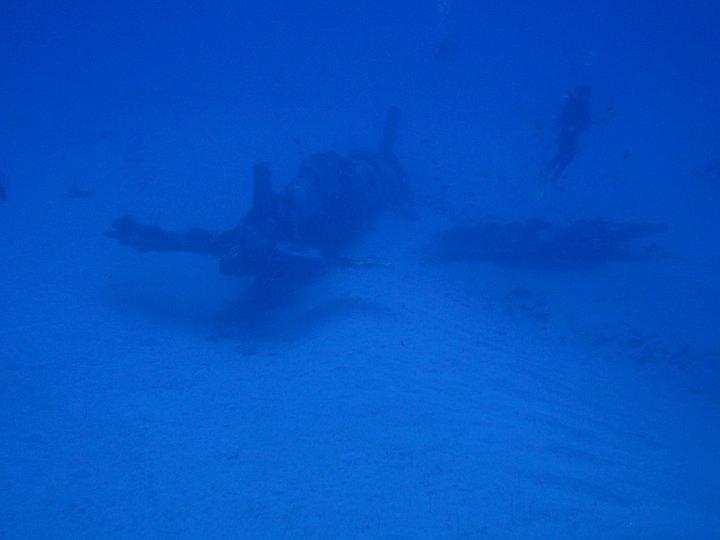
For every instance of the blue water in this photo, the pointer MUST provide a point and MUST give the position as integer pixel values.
(520, 343)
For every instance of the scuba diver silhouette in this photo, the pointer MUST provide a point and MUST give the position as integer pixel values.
(574, 120)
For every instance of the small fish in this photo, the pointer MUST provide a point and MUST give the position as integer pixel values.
(76, 192)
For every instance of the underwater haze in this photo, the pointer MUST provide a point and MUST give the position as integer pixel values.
(431, 269)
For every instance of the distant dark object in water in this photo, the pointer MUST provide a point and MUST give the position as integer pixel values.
(291, 237)
(76, 192)
(446, 51)
(712, 172)
(574, 120)
(536, 243)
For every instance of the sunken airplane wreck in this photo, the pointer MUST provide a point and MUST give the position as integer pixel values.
(289, 238)
(539, 244)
